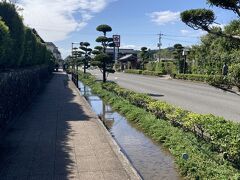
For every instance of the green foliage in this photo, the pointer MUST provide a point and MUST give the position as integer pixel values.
(162, 67)
(210, 56)
(214, 80)
(226, 4)
(198, 18)
(205, 162)
(104, 28)
(16, 28)
(133, 71)
(102, 39)
(30, 48)
(5, 44)
(193, 77)
(152, 73)
(19, 46)
(234, 74)
(144, 54)
(102, 60)
(178, 49)
(220, 133)
(203, 18)
(144, 72)
(86, 60)
(17, 90)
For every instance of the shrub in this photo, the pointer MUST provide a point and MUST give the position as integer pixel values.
(193, 77)
(133, 71)
(30, 48)
(203, 162)
(152, 73)
(218, 80)
(234, 74)
(5, 44)
(220, 133)
(214, 80)
(16, 28)
(17, 89)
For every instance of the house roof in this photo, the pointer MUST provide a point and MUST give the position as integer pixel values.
(128, 57)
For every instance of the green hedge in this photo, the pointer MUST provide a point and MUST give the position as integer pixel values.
(152, 73)
(17, 89)
(234, 75)
(223, 135)
(193, 77)
(144, 72)
(204, 163)
(5, 44)
(133, 71)
(20, 47)
(164, 67)
(215, 80)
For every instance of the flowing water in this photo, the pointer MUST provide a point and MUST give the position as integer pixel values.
(149, 158)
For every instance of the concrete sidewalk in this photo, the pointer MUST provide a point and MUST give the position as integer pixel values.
(59, 137)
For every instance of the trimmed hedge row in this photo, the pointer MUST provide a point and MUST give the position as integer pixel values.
(144, 72)
(192, 77)
(203, 162)
(20, 46)
(215, 80)
(17, 89)
(223, 135)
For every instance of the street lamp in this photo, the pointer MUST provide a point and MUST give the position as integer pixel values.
(185, 52)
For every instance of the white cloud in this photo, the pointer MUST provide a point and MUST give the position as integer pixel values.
(219, 25)
(55, 19)
(192, 33)
(164, 17)
(184, 32)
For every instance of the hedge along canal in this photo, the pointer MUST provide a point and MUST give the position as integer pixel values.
(149, 158)
(203, 161)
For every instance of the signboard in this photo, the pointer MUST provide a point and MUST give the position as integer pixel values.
(116, 40)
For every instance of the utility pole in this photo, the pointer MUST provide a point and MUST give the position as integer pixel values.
(159, 45)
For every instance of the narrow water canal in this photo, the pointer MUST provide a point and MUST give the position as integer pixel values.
(149, 158)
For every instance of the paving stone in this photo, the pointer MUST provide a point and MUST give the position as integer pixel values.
(88, 163)
(91, 175)
(115, 175)
(58, 138)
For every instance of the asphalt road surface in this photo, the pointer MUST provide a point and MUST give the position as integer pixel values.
(196, 97)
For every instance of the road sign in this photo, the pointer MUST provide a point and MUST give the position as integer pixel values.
(116, 40)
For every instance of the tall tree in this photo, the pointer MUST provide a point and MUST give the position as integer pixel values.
(144, 54)
(84, 46)
(102, 59)
(5, 44)
(178, 49)
(12, 19)
(204, 19)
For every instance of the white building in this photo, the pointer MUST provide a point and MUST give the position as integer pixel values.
(53, 48)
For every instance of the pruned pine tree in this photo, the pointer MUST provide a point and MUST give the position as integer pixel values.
(102, 60)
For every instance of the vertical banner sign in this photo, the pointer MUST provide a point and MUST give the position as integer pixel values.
(117, 42)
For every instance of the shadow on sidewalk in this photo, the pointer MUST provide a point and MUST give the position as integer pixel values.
(40, 144)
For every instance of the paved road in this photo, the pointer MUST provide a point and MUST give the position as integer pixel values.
(197, 97)
(60, 138)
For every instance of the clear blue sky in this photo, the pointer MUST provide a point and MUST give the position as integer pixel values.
(137, 21)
